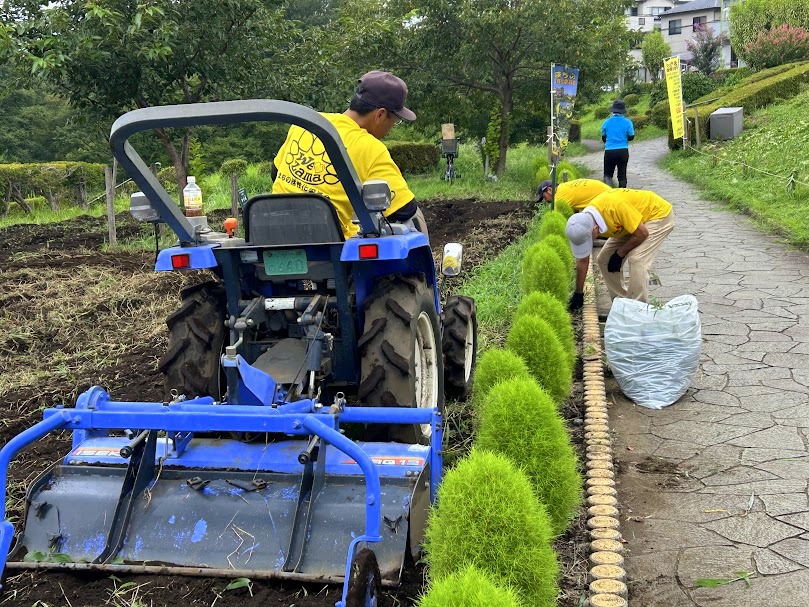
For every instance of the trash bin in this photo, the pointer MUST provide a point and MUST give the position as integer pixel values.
(726, 122)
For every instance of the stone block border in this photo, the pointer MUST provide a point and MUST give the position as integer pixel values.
(607, 576)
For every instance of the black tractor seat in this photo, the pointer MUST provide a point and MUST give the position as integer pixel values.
(291, 219)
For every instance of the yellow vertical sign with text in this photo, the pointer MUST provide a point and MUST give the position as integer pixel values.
(675, 88)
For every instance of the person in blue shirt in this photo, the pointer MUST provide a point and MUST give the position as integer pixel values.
(616, 133)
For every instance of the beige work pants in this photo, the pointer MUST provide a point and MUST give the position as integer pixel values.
(639, 259)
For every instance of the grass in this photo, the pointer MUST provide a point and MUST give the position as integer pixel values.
(775, 140)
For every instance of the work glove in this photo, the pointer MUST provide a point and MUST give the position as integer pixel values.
(576, 302)
(614, 264)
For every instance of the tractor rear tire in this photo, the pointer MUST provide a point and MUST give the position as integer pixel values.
(191, 364)
(400, 352)
(460, 346)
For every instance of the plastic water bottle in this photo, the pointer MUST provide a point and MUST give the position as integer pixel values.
(192, 198)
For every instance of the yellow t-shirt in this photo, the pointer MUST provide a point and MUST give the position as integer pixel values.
(304, 166)
(579, 192)
(624, 210)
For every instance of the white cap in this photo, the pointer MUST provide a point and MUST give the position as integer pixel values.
(191, 179)
(579, 231)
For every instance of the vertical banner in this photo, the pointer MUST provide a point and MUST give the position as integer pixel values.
(564, 83)
(674, 85)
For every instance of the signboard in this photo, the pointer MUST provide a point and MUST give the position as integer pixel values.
(242, 197)
(564, 84)
(674, 85)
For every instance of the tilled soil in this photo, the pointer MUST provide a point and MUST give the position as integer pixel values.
(73, 316)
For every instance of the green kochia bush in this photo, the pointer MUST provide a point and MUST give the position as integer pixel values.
(488, 516)
(563, 208)
(494, 366)
(469, 587)
(542, 270)
(535, 340)
(552, 311)
(537, 441)
(552, 223)
(561, 245)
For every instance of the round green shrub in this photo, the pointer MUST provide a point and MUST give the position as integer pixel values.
(569, 168)
(488, 516)
(554, 312)
(542, 270)
(632, 111)
(535, 340)
(631, 99)
(233, 166)
(563, 207)
(537, 441)
(469, 587)
(561, 245)
(541, 175)
(265, 167)
(661, 114)
(601, 113)
(494, 366)
(638, 122)
(539, 162)
(696, 85)
(552, 223)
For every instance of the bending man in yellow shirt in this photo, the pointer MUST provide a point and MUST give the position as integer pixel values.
(636, 223)
(577, 193)
(302, 164)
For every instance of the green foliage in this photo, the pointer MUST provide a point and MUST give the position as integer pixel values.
(537, 441)
(536, 342)
(468, 587)
(631, 99)
(696, 85)
(750, 18)
(561, 245)
(732, 76)
(777, 46)
(541, 175)
(638, 122)
(61, 182)
(492, 147)
(542, 270)
(602, 113)
(495, 366)
(233, 166)
(415, 158)
(490, 517)
(661, 114)
(633, 111)
(563, 208)
(658, 93)
(196, 158)
(168, 178)
(552, 223)
(654, 51)
(554, 312)
(567, 167)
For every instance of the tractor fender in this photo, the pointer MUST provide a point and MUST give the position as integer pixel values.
(389, 247)
(199, 258)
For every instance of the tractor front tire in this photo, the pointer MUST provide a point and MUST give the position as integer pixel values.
(402, 365)
(196, 336)
(460, 346)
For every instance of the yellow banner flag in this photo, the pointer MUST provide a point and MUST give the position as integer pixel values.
(675, 88)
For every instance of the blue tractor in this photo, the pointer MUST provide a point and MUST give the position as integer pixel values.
(246, 469)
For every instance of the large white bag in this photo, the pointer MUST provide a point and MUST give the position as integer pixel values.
(653, 352)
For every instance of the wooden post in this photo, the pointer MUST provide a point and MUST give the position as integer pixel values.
(234, 195)
(108, 178)
(696, 126)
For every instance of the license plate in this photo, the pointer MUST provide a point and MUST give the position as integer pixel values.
(286, 262)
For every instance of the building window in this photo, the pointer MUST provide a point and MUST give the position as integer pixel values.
(641, 20)
(633, 12)
(657, 10)
(675, 27)
(700, 23)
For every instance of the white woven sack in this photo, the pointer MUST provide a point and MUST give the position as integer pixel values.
(653, 352)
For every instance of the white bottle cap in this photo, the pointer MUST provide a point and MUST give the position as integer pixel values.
(192, 179)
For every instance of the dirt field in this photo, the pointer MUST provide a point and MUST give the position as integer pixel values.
(72, 316)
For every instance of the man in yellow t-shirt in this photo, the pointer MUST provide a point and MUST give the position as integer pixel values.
(577, 193)
(636, 222)
(302, 164)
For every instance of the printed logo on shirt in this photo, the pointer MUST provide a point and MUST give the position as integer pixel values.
(307, 161)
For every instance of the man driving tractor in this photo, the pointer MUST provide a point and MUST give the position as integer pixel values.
(302, 164)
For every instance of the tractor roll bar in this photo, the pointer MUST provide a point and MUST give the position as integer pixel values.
(226, 112)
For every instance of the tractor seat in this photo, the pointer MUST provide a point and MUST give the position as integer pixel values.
(291, 219)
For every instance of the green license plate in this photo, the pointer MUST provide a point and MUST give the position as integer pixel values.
(280, 263)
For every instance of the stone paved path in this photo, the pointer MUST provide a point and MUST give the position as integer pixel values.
(717, 482)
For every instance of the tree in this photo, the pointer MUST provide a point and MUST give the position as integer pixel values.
(107, 57)
(705, 48)
(504, 48)
(654, 51)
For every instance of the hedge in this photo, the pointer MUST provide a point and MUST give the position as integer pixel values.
(489, 517)
(57, 182)
(519, 420)
(414, 158)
